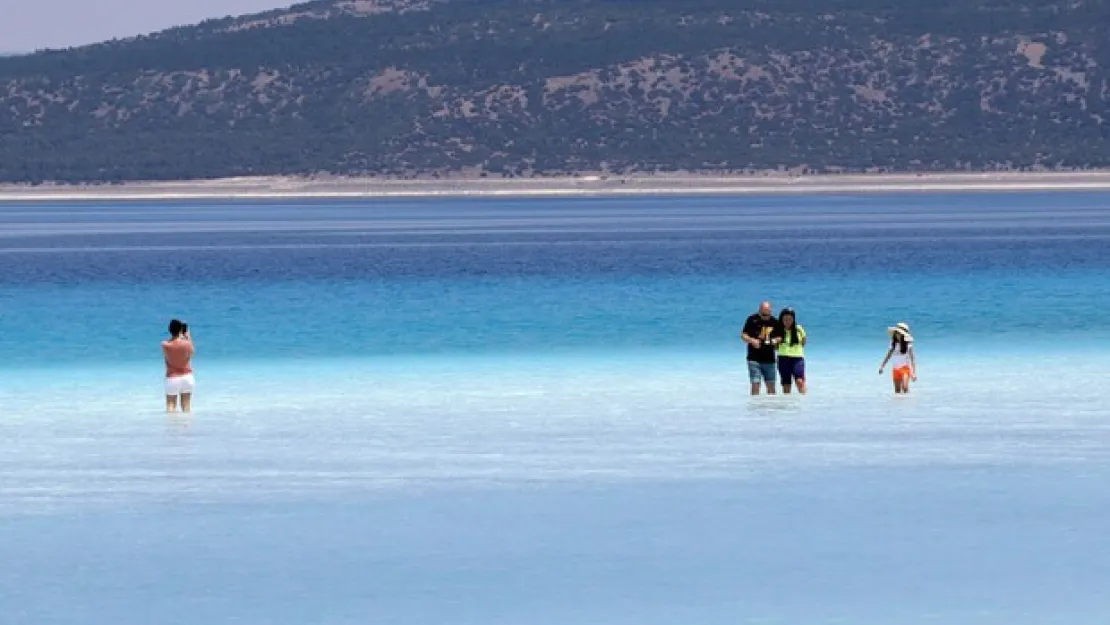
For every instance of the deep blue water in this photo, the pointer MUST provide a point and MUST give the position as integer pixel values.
(537, 412)
(418, 277)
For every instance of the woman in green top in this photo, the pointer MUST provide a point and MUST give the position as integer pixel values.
(792, 357)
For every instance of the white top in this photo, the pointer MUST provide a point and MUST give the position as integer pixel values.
(898, 359)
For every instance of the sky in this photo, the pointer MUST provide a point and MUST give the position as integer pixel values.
(30, 25)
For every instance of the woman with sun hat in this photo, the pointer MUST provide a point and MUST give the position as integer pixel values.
(901, 357)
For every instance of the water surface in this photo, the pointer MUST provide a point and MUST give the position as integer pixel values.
(537, 412)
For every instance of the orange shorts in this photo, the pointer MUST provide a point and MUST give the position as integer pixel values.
(902, 373)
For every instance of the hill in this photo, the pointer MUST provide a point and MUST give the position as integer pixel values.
(552, 87)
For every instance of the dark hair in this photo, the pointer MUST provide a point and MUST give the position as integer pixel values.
(899, 340)
(793, 329)
(177, 327)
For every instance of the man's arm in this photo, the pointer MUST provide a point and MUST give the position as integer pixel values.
(746, 334)
(778, 334)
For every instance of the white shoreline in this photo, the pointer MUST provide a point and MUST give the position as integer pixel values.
(590, 185)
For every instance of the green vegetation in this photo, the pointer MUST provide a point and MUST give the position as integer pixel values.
(551, 87)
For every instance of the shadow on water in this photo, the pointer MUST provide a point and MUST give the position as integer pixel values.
(778, 404)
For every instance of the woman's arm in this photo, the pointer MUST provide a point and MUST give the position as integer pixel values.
(913, 364)
(887, 359)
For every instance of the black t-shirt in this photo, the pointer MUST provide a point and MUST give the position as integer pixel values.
(764, 329)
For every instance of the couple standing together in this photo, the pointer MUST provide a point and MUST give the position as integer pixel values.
(775, 343)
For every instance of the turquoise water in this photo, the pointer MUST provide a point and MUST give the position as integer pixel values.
(537, 412)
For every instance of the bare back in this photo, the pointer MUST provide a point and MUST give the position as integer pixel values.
(178, 354)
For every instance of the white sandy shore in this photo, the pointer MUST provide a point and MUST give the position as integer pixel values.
(644, 185)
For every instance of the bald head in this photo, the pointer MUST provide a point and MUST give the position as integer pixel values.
(765, 309)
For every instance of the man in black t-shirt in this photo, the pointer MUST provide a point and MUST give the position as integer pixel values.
(762, 333)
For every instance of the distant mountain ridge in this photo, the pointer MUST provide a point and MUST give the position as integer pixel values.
(317, 10)
(418, 88)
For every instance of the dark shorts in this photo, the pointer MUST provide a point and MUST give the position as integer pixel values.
(792, 368)
(761, 372)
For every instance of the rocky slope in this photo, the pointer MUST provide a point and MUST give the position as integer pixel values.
(553, 87)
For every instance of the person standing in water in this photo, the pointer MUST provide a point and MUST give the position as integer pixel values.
(762, 334)
(178, 352)
(792, 360)
(901, 357)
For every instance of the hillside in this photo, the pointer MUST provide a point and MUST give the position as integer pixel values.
(551, 87)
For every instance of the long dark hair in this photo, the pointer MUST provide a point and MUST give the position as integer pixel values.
(899, 340)
(793, 329)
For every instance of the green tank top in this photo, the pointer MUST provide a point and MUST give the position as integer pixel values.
(793, 351)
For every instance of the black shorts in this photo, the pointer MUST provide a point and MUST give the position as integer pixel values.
(792, 368)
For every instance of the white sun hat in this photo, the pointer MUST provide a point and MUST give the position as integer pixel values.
(902, 328)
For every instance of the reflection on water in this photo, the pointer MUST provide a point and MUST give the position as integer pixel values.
(177, 423)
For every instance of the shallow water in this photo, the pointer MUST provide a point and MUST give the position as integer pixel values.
(537, 412)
